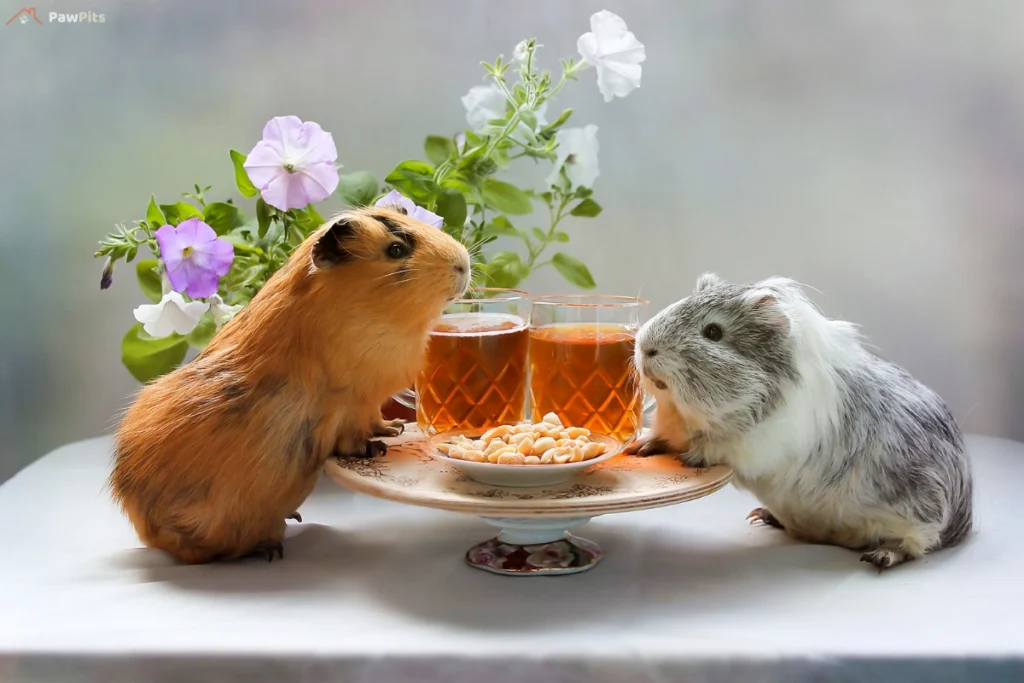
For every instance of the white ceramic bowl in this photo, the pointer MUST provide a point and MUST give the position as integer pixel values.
(518, 476)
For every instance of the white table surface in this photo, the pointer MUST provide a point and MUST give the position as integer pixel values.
(376, 591)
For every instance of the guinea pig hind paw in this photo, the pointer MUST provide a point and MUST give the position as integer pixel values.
(885, 557)
(763, 516)
(267, 549)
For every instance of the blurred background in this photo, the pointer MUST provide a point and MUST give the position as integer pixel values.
(869, 148)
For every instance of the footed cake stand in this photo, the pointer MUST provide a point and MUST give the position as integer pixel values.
(534, 539)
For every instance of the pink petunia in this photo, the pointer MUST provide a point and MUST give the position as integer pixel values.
(293, 165)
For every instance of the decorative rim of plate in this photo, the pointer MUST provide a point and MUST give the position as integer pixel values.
(567, 499)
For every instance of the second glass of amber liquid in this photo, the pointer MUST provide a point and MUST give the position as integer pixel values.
(474, 376)
(581, 362)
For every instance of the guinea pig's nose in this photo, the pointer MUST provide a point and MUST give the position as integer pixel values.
(459, 268)
(650, 353)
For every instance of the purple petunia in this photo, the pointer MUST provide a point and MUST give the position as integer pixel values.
(194, 258)
(395, 198)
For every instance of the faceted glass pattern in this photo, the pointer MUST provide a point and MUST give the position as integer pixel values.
(474, 376)
(584, 374)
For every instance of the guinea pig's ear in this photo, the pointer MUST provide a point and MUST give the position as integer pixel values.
(766, 306)
(329, 250)
(707, 281)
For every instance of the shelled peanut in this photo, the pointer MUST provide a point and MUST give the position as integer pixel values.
(545, 443)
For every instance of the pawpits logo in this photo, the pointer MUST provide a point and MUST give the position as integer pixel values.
(27, 15)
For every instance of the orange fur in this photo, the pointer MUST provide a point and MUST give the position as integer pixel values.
(211, 458)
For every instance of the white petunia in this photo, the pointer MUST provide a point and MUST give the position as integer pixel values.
(615, 52)
(172, 314)
(521, 52)
(221, 312)
(577, 154)
(484, 103)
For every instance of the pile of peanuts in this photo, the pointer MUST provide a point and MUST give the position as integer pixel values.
(544, 443)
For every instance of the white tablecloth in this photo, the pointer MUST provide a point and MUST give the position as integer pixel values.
(375, 591)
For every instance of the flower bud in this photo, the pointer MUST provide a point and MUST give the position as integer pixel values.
(107, 278)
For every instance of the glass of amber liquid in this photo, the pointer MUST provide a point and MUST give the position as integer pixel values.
(474, 376)
(581, 362)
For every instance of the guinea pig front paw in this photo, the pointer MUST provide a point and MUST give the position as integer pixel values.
(694, 460)
(371, 449)
(375, 448)
(649, 446)
(886, 557)
(388, 428)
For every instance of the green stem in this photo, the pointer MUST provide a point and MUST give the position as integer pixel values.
(566, 75)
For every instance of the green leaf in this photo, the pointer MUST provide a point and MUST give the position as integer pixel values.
(573, 270)
(500, 225)
(308, 220)
(452, 207)
(414, 179)
(149, 280)
(154, 216)
(557, 123)
(529, 118)
(357, 189)
(501, 157)
(262, 217)
(505, 270)
(506, 197)
(438, 148)
(541, 236)
(222, 217)
(147, 358)
(588, 208)
(181, 211)
(242, 182)
(456, 181)
(561, 236)
(203, 333)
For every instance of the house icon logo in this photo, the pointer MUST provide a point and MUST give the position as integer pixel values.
(25, 15)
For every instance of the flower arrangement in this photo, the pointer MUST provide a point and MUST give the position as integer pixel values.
(209, 258)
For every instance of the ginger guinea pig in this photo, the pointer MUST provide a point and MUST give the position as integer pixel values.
(840, 446)
(212, 458)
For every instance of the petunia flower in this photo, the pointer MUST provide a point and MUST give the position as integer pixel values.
(221, 312)
(615, 52)
(396, 199)
(172, 314)
(484, 103)
(294, 163)
(107, 276)
(521, 53)
(577, 154)
(194, 258)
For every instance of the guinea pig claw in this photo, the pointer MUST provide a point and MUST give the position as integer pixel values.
(763, 516)
(296, 516)
(267, 549)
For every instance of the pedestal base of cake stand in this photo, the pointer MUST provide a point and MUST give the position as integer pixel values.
(535, 547)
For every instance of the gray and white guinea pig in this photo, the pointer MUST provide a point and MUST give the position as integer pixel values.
(840, 446)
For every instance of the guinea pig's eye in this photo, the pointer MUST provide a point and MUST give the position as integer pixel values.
(712, 332)
(397, 250)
